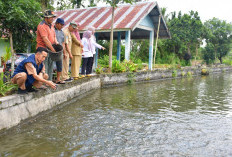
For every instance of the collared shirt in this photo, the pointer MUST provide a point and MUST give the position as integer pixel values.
(68, 38)
(59, 35)
(45, 30)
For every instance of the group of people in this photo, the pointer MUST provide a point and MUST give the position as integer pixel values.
(37, 69)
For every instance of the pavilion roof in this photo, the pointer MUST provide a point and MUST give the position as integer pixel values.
(127, 17)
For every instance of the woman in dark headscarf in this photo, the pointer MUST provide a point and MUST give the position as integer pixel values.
(87, 53)
(76, 50)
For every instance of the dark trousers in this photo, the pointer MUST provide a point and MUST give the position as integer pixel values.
(87, 65)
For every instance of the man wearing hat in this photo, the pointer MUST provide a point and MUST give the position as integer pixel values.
(46, 36)
(60, 38)
(68, 45)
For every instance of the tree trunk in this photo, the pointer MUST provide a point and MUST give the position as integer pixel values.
(111, 40)
(44, 5)
(12, 53)
(156, 42)
(196, 54)
(220, 58)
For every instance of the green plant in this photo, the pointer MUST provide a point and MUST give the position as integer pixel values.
(204, 71)
(130, 66)
(104, 61)
(174, 73)
(130, 78)
(99, 70)
(189, 74)
(7, 54)
(117, 67)
(183, 73)
(5, 87)
(139, 64)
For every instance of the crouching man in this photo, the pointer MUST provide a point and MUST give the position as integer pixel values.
(31, 72)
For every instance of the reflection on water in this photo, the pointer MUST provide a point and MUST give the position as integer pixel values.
(182, 117)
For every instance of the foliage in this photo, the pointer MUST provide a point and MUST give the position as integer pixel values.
(174, 73)
(130, 78)
(99, 70)
(117, 67)
(5, 87)
(189, 74)
(219, 38)
(209, 53)
(130, 66)
(19, 17)
(104, 61)
(7, 54)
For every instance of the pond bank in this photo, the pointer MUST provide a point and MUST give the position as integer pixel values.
(17, 108)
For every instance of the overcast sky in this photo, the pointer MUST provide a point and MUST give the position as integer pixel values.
(207, 9)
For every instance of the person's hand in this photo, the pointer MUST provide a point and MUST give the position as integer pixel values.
(64, 55)
(70, 56)
(81, 46)
(103, 48)
(51, 84)
(82, 50)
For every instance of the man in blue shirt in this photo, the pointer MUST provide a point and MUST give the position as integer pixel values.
(31, 72)
(60, 38)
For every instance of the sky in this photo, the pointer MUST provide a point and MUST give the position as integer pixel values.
(207, 9)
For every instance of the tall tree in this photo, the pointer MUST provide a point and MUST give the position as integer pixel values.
(220, 36)
(113, 4)
(18, 18)
(186, 29)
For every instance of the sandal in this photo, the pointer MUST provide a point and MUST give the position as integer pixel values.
(60, 82)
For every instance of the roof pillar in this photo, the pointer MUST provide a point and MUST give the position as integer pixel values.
(151, 42)
(119, 46)
(127, 46)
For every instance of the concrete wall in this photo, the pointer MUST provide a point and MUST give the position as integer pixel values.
(16, 108)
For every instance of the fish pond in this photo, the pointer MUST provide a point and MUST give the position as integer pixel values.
(180, 117)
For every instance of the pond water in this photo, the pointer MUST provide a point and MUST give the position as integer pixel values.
(181, 117)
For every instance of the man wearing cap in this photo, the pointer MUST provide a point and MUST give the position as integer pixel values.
(68, 45)
(46, 36)
(60, 38)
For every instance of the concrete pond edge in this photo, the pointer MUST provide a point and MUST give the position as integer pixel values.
(16, 108)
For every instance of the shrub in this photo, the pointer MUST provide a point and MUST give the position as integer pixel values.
(5, 87)
(130, 66)
(117, 67)
(99, 70)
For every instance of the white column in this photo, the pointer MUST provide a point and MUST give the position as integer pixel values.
(151, 42)
(127, 46)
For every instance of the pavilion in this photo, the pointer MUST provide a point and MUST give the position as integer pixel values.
(141, 20)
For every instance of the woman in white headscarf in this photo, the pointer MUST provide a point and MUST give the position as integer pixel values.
(87, 54)
(94, 46)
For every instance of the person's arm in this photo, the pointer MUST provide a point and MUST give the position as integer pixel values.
(75, 41)
(97, 45)
(64, 50)
(69, 51)
(32, 71)
(48, 43)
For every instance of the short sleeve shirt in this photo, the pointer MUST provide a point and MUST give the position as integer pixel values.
(45, 30)
(59, 36)
(68, 38)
